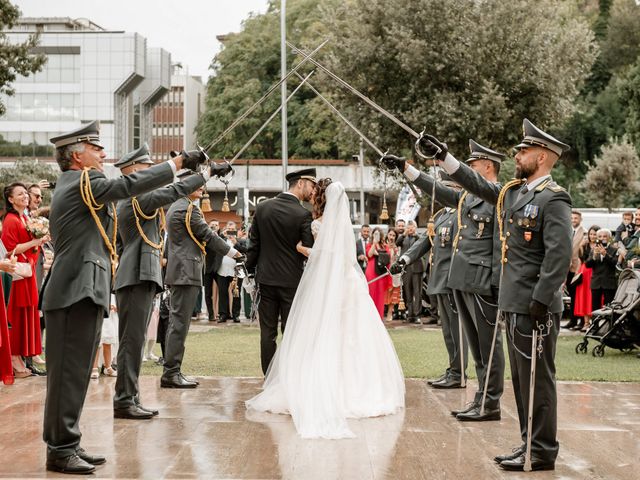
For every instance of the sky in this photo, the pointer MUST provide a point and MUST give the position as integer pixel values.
(185, 28)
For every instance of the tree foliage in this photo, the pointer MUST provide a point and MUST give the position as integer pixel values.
(462, 68)
(15, 58)
(613, 177)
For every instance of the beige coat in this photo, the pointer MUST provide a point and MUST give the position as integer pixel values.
(578, 236)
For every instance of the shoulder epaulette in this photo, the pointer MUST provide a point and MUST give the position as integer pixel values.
(554, 187)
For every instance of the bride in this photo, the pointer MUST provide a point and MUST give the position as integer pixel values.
(336, 360)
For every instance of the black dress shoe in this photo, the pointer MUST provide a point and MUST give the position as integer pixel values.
(177, 381)
(467, 408)
(439, 379)
(152, 411)
(132, 412)
(517, 464)
(222, 320)
(474, 415)
(71, 464)
(515, 453)
(236, 320)
(92, 459)
(189, 379)
(569, 324)
(447, 383)
(36, 371)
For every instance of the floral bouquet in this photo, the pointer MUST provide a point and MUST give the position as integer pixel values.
(38, 226)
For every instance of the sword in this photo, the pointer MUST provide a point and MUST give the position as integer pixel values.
(273, 115)
(237, 121)
(358, 132)
(379, 277)
(532, 386)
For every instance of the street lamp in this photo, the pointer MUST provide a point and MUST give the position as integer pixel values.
(283, 88)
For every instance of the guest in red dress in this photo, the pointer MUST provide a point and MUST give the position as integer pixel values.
(6, 369)
(22, 311)
(377, 289)
(583, 304)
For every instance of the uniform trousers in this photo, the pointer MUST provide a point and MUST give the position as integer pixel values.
(451, 333)
(477, 314)
(73, 334)
(544, 444)
(274, 303)
(135, 303)
(412, 286)
(183, 301)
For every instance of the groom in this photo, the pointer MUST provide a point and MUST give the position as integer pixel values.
(278, 225)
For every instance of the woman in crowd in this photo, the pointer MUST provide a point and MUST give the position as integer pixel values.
(6, 369)
(582, 304)
(602, 259)
(22, 310)
(392, 295)
(378, 254)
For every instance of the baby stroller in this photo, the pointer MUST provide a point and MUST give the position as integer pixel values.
(617, 325)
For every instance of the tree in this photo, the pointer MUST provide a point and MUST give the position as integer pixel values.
(15, 59)
(463, 68)
(613, 176)
(28, 171)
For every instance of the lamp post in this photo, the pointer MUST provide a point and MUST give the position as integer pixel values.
(283, 88)
(361, 163)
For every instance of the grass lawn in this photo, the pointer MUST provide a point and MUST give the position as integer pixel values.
(234, 350)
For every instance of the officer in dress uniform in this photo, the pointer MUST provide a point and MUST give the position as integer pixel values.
(440, 260)
(139, 276)
(470, 276)
(189, 240)
(535, 215)
(77, 294)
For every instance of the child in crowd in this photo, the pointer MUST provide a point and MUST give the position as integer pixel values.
(108, 338)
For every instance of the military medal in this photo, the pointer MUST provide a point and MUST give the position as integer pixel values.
(480, 230)
(527, 236)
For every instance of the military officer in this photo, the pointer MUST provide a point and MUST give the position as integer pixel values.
(189, 239)
(77, 295)
(440, 260)
(139, 276)
(470, 276)
(535, 234)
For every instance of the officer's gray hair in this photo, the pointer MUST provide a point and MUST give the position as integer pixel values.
(606, 231)
(411, 222)
(64, 155)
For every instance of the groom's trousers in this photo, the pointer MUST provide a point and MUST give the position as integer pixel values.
(275, 303)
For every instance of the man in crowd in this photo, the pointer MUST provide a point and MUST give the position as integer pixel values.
(212, 263)
(361, 246)
(578, 236)
(77, 295)
(139, 277)
(535, 252)
(412, 278)
(400, 224)
(226, 273)
(190, 238)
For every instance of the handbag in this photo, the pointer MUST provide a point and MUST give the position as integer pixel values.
(382, 260)
(22, 271)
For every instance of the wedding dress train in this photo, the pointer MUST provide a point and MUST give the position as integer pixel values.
(336, 359)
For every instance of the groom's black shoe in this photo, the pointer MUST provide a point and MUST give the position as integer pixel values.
(515, 453)
(448, 382)
(475, 416)
(189, 379)
(517, 464)
(176, 381)
(132, 412)
(466, 409)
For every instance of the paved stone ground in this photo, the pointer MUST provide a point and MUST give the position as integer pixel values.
(207, 433)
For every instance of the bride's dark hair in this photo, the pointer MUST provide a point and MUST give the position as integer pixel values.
(320, 199)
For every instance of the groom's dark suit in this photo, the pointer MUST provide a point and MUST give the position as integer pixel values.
(278, 225)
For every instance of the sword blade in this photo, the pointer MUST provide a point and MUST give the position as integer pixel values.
(353, 90)
(532, 387)
(273, 115)
(272, 89)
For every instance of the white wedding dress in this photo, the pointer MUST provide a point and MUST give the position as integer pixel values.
(336, 359)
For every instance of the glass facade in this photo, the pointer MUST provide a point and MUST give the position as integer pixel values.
(89, 75)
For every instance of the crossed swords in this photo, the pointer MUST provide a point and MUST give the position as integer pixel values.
(308, 57)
